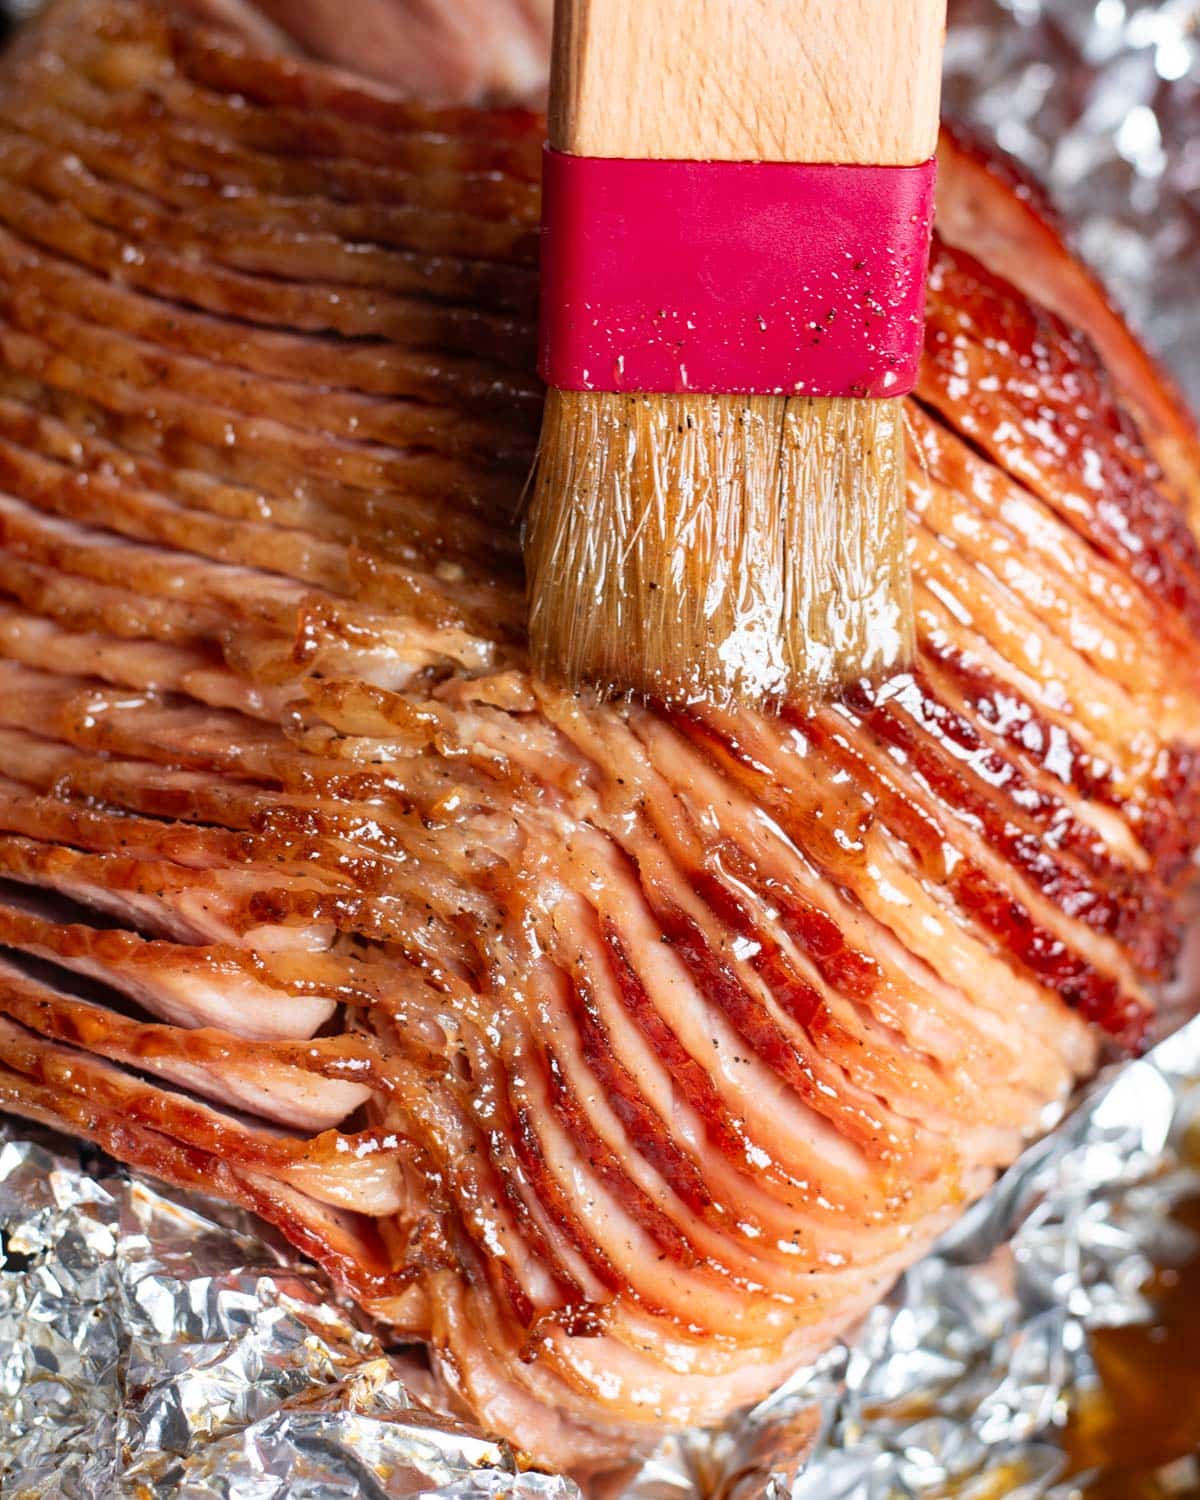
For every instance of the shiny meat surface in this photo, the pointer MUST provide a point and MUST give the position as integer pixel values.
(466, 51)
(621, 1056)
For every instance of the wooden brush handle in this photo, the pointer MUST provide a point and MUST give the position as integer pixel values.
(748, 80)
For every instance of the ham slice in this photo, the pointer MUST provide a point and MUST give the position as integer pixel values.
(450, 52)
(622, 1055)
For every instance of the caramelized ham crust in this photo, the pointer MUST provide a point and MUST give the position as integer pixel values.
(621, 1055)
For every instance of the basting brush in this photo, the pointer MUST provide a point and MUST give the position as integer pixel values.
(738, 197)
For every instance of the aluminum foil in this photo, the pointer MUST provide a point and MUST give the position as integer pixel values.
(167, 1348)
(155, 1346)
(1101, 98)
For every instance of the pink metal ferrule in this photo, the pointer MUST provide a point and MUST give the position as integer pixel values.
(733, 277)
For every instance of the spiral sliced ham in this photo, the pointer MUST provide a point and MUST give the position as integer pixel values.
(623, 1056)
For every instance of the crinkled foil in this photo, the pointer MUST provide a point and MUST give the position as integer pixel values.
(159, 1347)
(156, 1345)
(1101, 99)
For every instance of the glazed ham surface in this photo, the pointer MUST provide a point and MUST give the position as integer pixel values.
(621, 1055)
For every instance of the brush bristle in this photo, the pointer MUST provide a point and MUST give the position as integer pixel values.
(718, 547)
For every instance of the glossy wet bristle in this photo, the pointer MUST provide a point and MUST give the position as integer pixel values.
(718, 548)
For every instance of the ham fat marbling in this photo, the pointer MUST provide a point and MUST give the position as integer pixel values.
(623, 1056)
